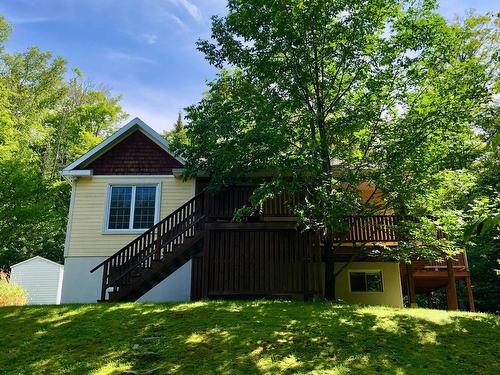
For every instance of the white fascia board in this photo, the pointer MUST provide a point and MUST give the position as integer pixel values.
(70, 216)
(177, 172)
(135, 123)
(153, 135)
(100, 146)
(77, 172)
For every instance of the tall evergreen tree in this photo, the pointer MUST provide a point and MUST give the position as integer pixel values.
(178, 134)
(179, 125)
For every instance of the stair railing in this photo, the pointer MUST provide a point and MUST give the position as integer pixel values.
(154, 244)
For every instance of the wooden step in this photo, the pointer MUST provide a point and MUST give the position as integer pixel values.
(161, 269)
(114, 296)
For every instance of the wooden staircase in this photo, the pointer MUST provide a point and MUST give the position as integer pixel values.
(153, 256)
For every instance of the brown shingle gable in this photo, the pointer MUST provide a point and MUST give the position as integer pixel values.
(135, 155)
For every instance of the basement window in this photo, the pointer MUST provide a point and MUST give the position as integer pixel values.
(131, 207)
(366, 281)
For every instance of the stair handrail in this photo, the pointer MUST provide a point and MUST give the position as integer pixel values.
(139, 261)
(146, 233)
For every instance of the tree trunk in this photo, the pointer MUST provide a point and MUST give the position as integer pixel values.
(329, 270)
(326, 167)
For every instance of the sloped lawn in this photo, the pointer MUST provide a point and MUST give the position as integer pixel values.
(260, 337)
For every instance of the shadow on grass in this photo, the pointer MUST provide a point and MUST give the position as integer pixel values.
(259, 337)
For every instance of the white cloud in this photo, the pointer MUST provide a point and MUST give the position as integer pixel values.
(178, 21)
(123, 56)
(149, 38)
(29, 20)
(189, 7)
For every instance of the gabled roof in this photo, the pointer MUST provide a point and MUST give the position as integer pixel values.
(122, 133)
(37, 257)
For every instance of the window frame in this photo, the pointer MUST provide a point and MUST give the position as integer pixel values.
(365, 271)
(134, 186)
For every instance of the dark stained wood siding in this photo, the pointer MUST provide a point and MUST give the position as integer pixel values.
(257, 260)
(135, 155)
(196, 277)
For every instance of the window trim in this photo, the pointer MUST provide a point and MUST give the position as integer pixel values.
(366, 271)
(133, 185)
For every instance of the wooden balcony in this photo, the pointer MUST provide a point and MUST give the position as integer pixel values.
(424, 277)
(425, 269)
(221, 206)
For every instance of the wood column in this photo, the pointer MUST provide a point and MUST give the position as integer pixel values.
(451, 290)
(429, 300)
(411, 286)
(205, 265)
(470, 297)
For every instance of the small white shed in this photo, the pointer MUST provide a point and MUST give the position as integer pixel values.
(40, 278)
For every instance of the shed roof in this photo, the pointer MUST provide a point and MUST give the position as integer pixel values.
(37, 257)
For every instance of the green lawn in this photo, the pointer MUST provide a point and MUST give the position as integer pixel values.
(246, 338)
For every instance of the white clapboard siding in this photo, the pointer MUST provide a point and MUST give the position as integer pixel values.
(40, 278)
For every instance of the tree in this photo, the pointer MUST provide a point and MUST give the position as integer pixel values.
(482, 209)
(86, 115)
(46, 121)
(178, 134)
(179, 126)
(333, 93)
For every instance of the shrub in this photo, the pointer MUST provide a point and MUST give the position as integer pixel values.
(11, 294)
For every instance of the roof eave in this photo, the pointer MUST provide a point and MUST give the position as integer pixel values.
(77, 172)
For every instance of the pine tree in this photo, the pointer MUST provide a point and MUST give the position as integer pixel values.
(178, 133)
(179, 125)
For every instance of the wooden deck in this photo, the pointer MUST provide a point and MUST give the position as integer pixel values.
(425, 277)
(429, 276)
(265, 256)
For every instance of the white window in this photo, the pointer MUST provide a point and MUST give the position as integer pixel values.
(131, 207)
(366, 281)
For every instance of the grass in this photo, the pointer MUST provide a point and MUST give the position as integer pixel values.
(253, 337)
(11, 294)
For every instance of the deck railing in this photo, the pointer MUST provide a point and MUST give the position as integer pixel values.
(379, 228)
(223, 204)
(459, 262)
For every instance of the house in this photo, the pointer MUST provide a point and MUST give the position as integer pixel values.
(138, 232)
(40, 278)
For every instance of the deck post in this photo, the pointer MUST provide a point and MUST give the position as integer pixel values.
(205, 266)
(411, 286)
(451, 290)
(470, 297)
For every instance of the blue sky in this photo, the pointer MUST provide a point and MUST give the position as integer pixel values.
(142, 49)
